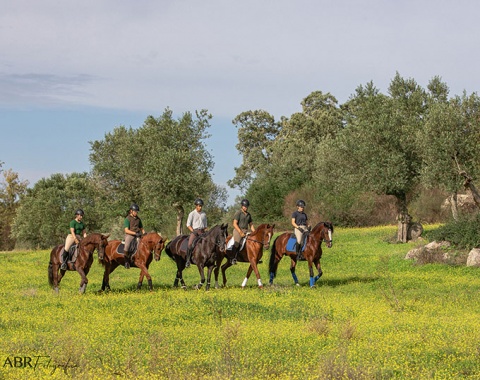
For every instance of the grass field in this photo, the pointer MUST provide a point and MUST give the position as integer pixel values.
(373, 315)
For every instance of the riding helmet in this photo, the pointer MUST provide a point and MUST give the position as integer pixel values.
(79, 212)
(245, 202)
(300, 203)
(198, 201)
(134, 207)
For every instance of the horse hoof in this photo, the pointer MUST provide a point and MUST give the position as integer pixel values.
(184, 287)
(56, 290)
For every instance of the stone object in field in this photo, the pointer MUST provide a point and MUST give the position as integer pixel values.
(432, 247)
(473, 259)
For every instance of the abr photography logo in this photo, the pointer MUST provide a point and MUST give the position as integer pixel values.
(36, 362)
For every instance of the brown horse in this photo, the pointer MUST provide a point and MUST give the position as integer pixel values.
(149, 243)
(252, 252)
(204, 253)
(82, 264)
(312, 251)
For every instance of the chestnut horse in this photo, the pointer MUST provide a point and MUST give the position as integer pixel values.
(204, 253)
(149, 243)
(82, 264)
(252, 252)
(312, 251)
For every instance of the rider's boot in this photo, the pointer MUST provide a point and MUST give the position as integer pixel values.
(64, 256)
(127, 260)
(189, 257)
(299, 251)
(235, 250)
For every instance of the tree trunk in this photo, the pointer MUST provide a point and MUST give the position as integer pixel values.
(180, 214)
(403, 218)
(454, 205)
(468, 184)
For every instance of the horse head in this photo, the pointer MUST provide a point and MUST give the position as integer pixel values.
(222, 243)
(267, 235)
(102, 245)
(157, 250)
(326, 234)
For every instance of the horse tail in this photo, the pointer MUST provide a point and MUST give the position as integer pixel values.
(272, 265)
(168, 250)
(50, 269)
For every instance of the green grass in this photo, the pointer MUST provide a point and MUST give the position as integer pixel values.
(373, 315)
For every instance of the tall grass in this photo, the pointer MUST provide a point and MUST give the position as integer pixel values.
(372, 315)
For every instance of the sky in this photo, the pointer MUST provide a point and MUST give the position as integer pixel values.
(72, 71)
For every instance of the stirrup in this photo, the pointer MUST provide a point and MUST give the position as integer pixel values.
(64, 266)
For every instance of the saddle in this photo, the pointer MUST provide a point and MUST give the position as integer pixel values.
(72, 253)
(231, 242)
(292, 241)
(133, 247)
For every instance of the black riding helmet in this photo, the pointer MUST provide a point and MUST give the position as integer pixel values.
(198, 201)
(300, 203)
(245, 202)
(134, 207)
(79, 212)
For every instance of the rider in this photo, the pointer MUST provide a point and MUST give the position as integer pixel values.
(196, 224)
(242, 221)
(300, 225)
(77, 231)
(133, 228)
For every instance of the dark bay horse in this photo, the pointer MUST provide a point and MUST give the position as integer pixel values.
(323, 231)
(251, 252)
(82, 264)
(204, 253)
(149, 243)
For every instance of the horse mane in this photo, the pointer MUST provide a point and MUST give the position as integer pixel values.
(329, 225)
(90, 238)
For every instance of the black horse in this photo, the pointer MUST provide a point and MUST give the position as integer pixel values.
(203, 255)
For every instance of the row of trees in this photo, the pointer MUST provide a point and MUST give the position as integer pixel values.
(162, 166)
(338, 157)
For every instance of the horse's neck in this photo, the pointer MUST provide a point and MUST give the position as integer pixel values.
(317, 232)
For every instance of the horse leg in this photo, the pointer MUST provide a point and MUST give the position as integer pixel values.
(202, 276)
(257, 273)
(319, 268)
(216, 270)
(310, 269)
(249, 272)
(56, 277)
(83, 281)
(225, 266)
(293, 266)
(144, 273)
(209, 276)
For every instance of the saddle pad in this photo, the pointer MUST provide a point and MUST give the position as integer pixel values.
(291, 244)
(231, 242)
(184, 245)
(120, 248)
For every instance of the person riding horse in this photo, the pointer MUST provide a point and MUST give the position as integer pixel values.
(77, 231)
(242, 221)
(133, 228)
(197, 225)
(300, 226)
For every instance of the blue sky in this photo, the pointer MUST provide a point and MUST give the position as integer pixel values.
(71, 71)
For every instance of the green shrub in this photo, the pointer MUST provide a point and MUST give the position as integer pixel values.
(463, 234)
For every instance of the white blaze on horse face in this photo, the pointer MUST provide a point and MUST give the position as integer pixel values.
(330, 237)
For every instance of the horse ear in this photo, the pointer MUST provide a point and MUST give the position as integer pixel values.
(106, 236)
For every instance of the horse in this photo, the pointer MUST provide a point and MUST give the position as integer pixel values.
(204, 253)
(83, 262)
(149, 243)
(312, 251)
(252, 252)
